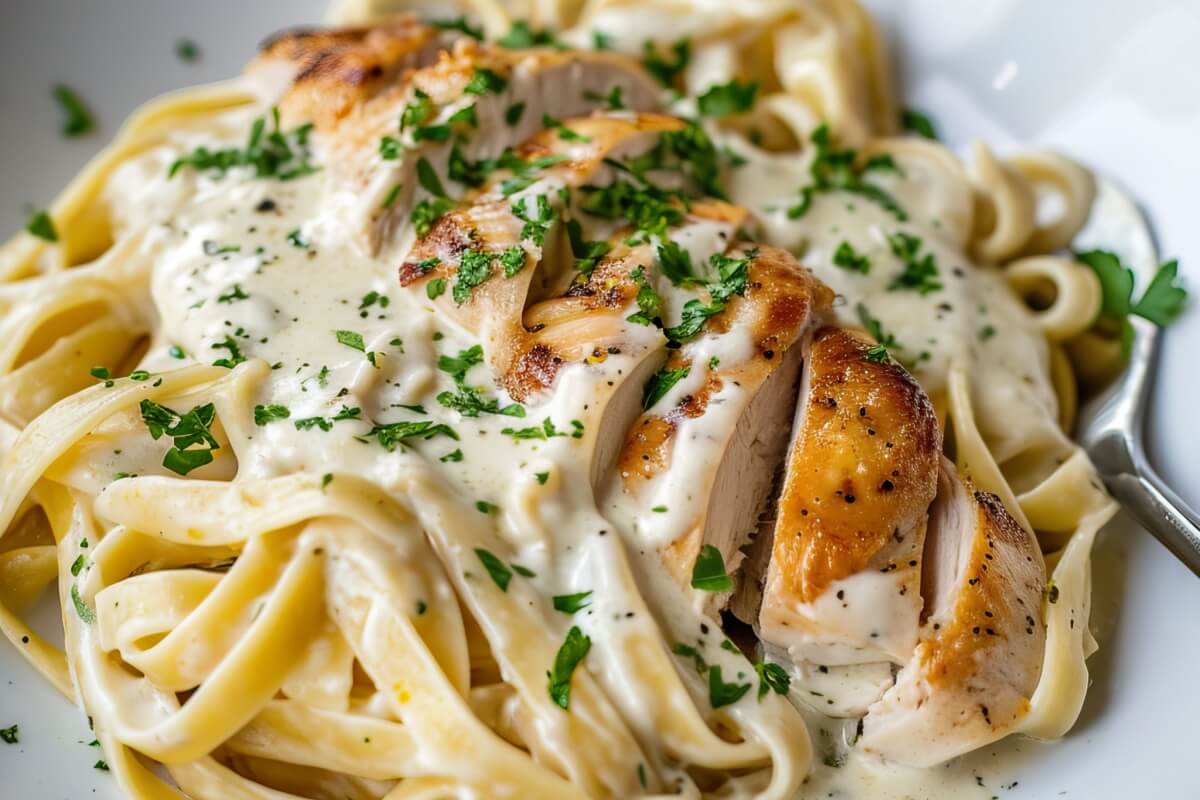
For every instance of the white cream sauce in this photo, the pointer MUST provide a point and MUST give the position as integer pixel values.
(228, 279)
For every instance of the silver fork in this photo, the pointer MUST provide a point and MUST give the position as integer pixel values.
(1110, 426)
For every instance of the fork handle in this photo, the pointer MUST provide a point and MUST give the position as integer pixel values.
(1160, 511)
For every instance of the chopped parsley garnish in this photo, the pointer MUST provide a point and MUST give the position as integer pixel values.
(920, 272)
(9, 735)
(1162, 302)
(614, 99)
(485, 81)
(660, 383)
(352, 340)
(884, 340)
(271, 154)
(876, 354)
(840, 171)
(514, 113)
(688, 151)
(308, 423)
(193, 443)
(536, 223)
(524, 572)
(455, 455)
(772, 677)
(542, 477)
(602, 41)
(708, 573)
(391, 196)
(459, 24)
(848, 259)
(372, 298)
(465, 399)
(728, 98)
(295, 239)
(587, 253)
(435, 288)
(465, 171)
(264, 415)
(687, 651)
(663, 69)
(394, 433)
(723, 694)
(544, 432)
(986, 332)
(649, 302)
(676, 263)
(213, 248)
(564, 133)
(521, 37)
(86, 614)
(101, 374)
(78, 564)
(432, 133)
(512, 261)
(233, 295)
(573, 650)
(41, 226)
(100, 765)
(416, 111)
(474, 268)
(501, 574)
(524, 172)
(427, 212)
(78, 119)
(175, 351)
(428, 178)
(733, 278)
(572, 603)
(140, 375)
(187, 50)
(918, 123)
(390, 148)
(649, 209)
(235, 353)
(465, 116)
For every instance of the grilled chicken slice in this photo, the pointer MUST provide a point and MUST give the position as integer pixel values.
(426, 141)
(519, 252)
(331, 72)
(980, 655)
(843, 583)
(697, 466)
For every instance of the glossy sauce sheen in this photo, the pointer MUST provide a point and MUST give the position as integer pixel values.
(301, 272)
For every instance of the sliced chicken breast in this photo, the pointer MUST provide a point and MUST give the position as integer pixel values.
(980, 655)
(843, 583)
(697, 466)
(425, 142)
(522, 292)
(328, 73)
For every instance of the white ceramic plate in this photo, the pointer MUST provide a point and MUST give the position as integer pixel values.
(1114, 83)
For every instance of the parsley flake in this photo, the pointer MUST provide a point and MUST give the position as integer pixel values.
(728, 98)
(572, 603)
(78, 120)
(573, 650)
(708, 573)
(42, 226)
(660, 383)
